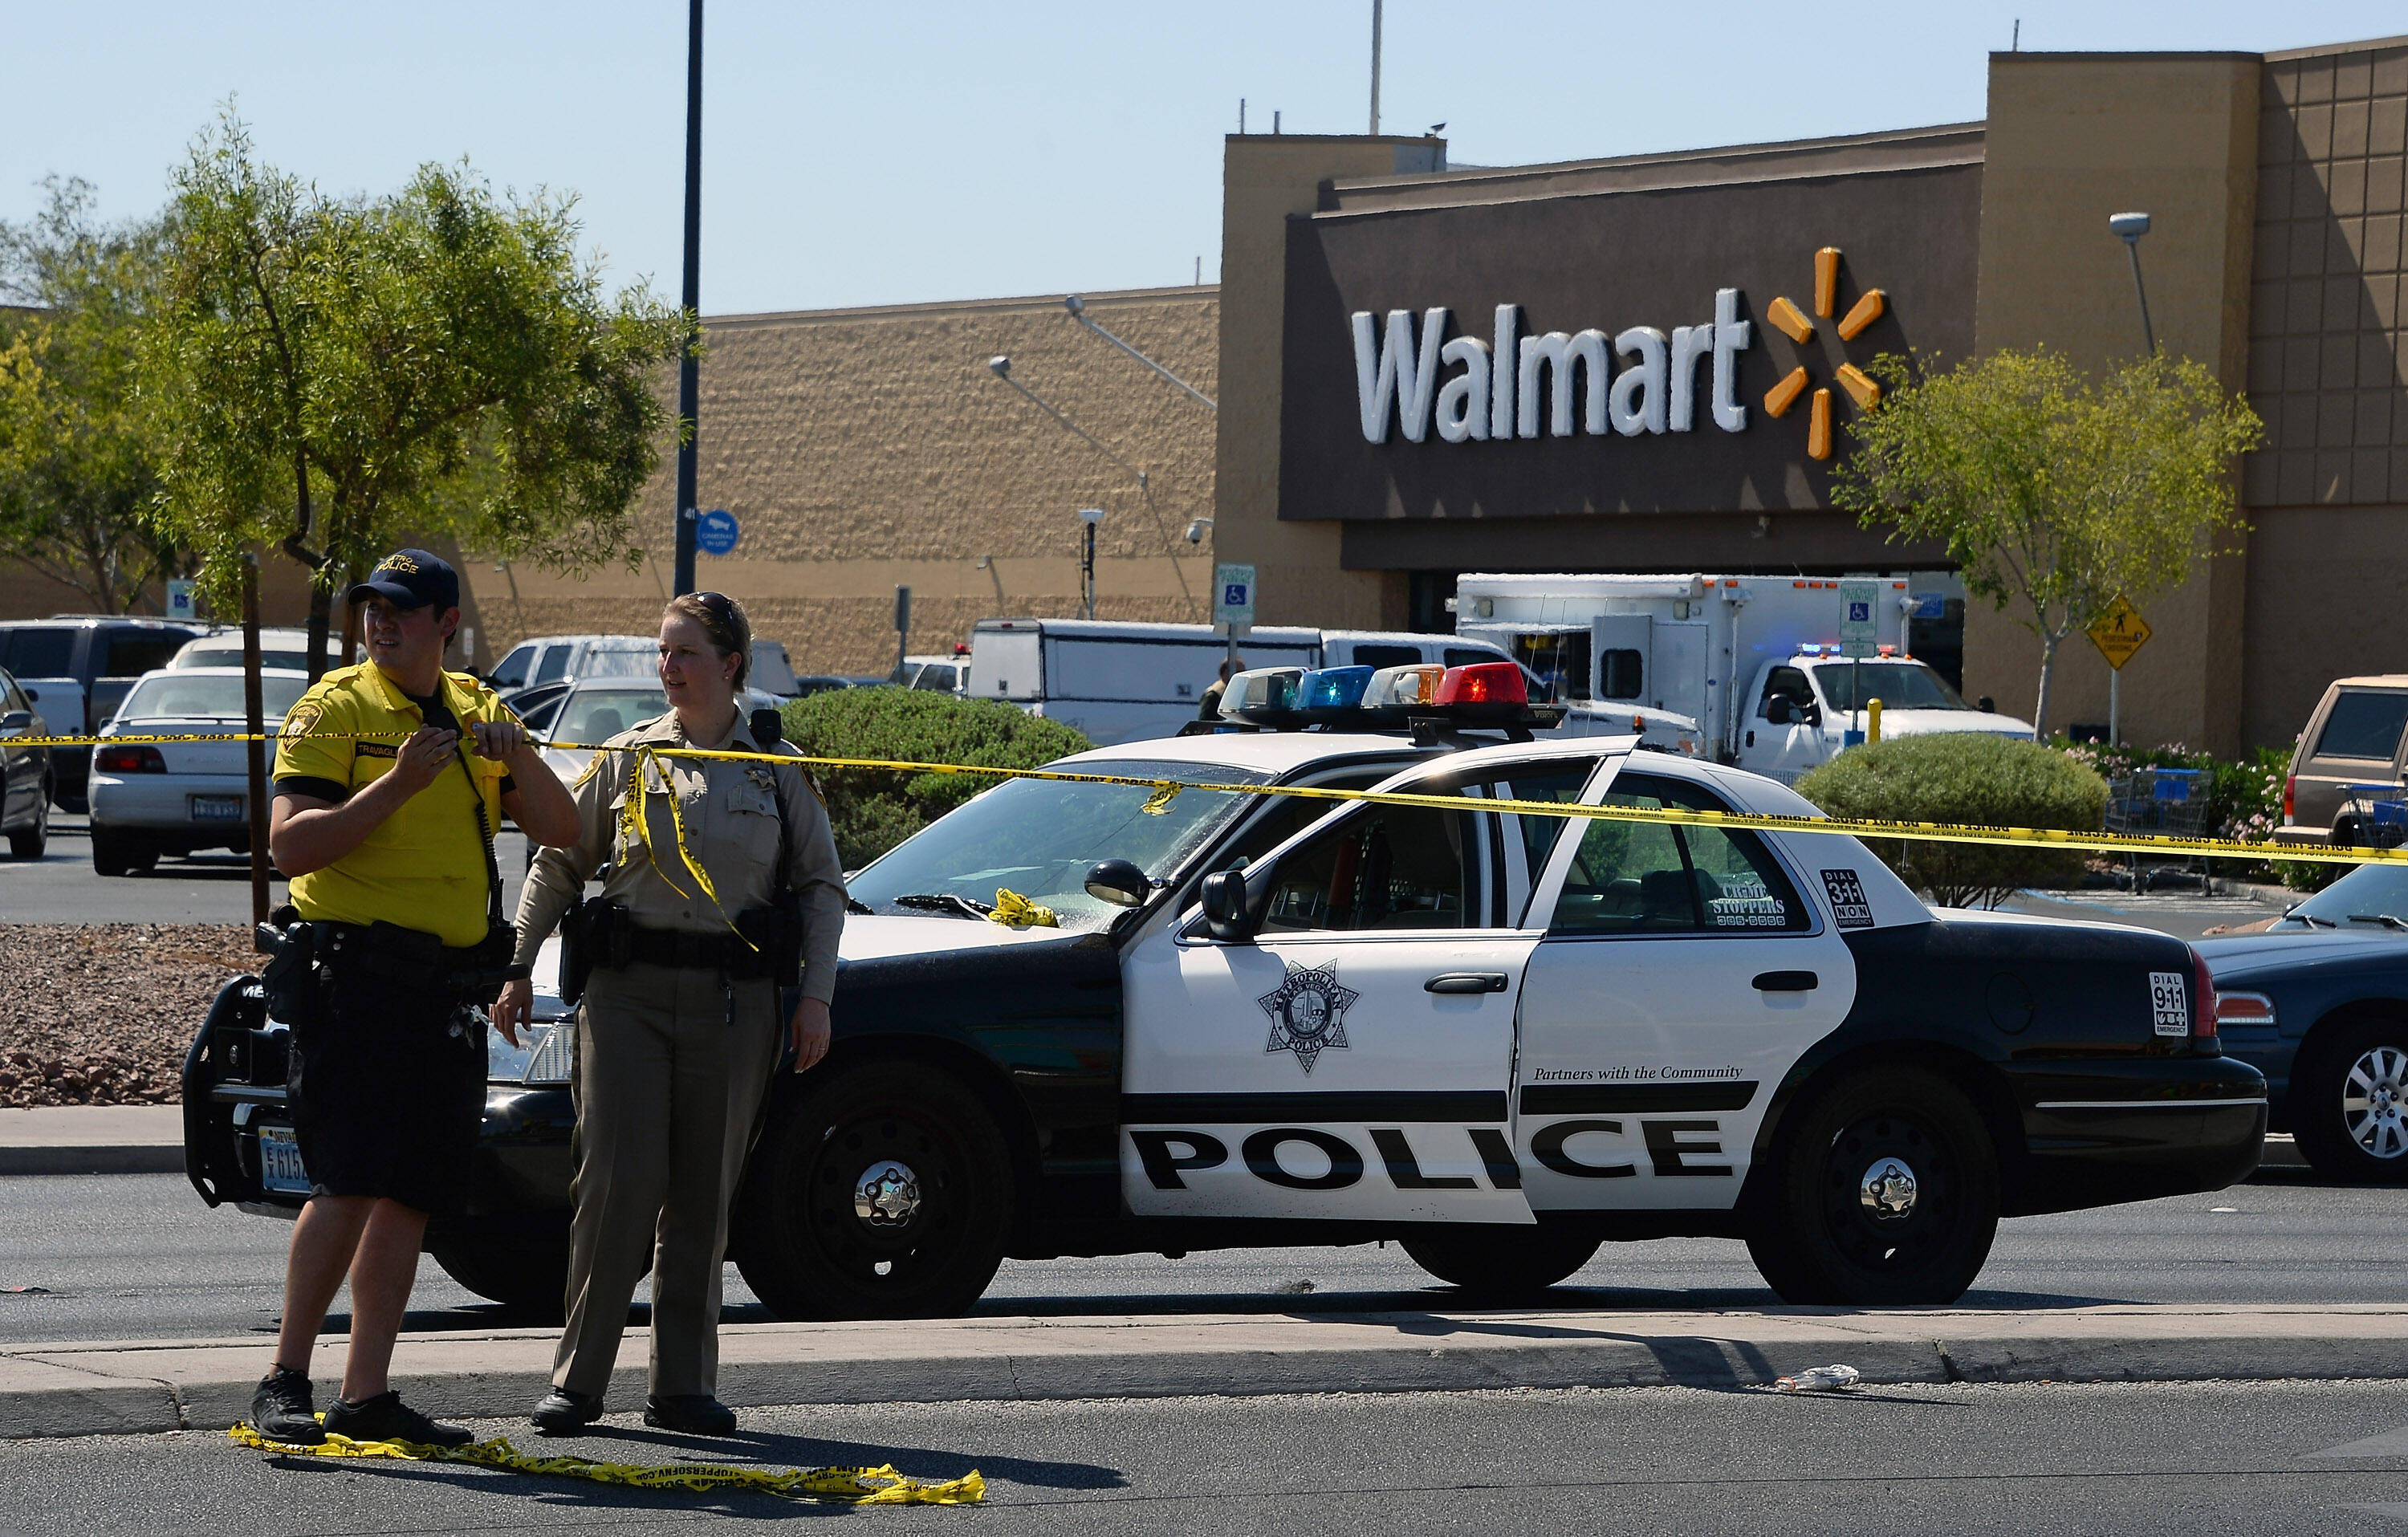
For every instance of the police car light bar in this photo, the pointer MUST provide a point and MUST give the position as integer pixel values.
(1429, 699)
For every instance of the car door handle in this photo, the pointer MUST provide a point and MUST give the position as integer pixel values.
(1787, 982)
(1467, 981)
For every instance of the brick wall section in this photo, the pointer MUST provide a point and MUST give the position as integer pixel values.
(860, 448)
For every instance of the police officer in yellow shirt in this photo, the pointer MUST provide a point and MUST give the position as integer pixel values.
(391, 778)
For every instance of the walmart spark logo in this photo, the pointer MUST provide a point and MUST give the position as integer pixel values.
(1789, 321)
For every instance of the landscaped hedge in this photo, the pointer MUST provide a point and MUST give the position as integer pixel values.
(1966, 777)
(874, 810)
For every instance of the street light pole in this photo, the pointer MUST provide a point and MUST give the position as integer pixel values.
(688, 407)
(1001, 367)
(2129, 227)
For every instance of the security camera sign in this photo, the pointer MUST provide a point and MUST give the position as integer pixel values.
(1233, 595)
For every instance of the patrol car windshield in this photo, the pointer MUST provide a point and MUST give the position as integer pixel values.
(184, 696)
(2370, 898)
(1898, 686)
(1038, 839)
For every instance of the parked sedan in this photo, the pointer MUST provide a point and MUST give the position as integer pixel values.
(176, 798)
(2318, 1002)
(24, 772)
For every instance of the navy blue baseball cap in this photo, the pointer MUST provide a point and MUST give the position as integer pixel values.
(411, 579)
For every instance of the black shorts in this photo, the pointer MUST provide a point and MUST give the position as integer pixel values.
(387, 1092)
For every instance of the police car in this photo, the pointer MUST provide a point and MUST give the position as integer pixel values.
(1500, 1038)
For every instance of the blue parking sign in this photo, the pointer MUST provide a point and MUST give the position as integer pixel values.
(715, 532)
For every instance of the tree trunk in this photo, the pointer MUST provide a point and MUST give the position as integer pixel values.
(322, 609)
(2048, 644)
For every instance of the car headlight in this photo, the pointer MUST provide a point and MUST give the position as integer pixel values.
(546, 1056)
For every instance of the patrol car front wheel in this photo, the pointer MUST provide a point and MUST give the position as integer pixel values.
(880, 1191)
(1501, 1264)
(1884, 1192)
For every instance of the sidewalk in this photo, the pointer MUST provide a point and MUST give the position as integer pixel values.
(92, 1140)
(150, 1140)
(130, 1388)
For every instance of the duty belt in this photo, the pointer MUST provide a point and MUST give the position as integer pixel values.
(688, 951)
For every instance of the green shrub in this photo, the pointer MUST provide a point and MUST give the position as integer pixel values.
(1965, 777)
(873, 809)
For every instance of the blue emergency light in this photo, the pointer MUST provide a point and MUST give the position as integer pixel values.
(1333, 688)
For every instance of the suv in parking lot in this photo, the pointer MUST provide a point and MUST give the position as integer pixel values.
(79, 668)
(2352, 740)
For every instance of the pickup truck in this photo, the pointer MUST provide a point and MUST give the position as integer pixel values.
(78, 668)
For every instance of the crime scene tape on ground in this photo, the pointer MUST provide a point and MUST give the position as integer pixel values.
(880, 1485)
(1168, 790)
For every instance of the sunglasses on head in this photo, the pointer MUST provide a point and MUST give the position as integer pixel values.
(716, 602)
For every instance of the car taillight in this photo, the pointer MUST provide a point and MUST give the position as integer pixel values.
(129, 760)
(2243, 1008)
(2202, 998)
(2291, 797)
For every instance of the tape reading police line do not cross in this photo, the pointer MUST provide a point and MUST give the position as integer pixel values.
(1167, 790)
(879, 1486)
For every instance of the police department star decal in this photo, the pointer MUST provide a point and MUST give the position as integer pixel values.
(1308, 1013)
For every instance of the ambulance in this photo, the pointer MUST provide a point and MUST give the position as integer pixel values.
(1757, 662)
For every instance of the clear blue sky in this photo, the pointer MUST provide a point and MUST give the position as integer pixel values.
(878, 153)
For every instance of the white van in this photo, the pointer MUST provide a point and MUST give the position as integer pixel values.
(1118, 681)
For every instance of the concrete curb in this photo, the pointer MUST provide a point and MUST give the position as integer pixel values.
(92, 1140)
(77, 1389)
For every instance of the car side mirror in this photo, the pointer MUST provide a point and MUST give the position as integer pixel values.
(1813, 715)
(1986, 705)
(1227, 917)
(1781, 710)
(16, 720)
(1119, 883)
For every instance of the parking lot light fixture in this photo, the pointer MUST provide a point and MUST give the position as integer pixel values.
(1078, 308)
(1000, 366)
(2128, 228)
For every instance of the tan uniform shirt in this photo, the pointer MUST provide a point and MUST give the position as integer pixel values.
(731, 830)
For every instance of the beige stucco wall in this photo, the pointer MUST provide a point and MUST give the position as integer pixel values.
(2072, 139)
(866, 448)
(1265, 179)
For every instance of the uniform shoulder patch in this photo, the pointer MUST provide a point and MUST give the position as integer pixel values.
(1849, 908)
(303, 718)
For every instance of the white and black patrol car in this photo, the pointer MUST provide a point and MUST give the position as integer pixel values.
(1499, 1038)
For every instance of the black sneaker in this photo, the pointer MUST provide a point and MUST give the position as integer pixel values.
(691, 1414)
(385, 1417)
(281, 1412)
(564, 1410)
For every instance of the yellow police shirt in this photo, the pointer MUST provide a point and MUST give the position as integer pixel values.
(423, 866)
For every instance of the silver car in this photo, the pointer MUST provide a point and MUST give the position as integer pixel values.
(177, 797)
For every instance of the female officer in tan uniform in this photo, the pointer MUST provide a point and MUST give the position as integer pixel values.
(675, 1048)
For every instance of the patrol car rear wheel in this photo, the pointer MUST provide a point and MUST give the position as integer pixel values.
(2349, 1101)
(1884, 1192)
(880, 1191)
(530, 1278)
(1502, 1264)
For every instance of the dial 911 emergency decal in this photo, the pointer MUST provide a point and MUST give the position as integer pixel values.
(2170, 1003)
(1308, 1013)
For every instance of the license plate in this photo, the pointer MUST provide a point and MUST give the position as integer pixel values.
(280, 1162)
(217, 807)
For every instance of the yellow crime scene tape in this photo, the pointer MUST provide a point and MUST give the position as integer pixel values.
(880, 1485)
(1168, 790)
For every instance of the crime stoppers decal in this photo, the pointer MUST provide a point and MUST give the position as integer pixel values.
(1849, 908)
(1308, 1013)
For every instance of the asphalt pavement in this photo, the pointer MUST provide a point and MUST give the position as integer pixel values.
(2306, 1457)
(138, 1256)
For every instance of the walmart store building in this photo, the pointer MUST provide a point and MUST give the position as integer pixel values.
(870, 448)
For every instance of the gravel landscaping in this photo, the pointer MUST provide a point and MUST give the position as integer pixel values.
(101, 1013)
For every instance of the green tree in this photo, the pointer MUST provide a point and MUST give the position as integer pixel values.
(335, 374)
(2052, 491)
(77, 454)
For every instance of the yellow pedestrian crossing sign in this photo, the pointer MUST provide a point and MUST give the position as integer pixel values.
(2119, 632)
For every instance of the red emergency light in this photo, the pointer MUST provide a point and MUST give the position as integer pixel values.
(1483, 682)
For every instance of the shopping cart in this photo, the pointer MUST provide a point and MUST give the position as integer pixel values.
(2159, 800)
(2372, 816)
